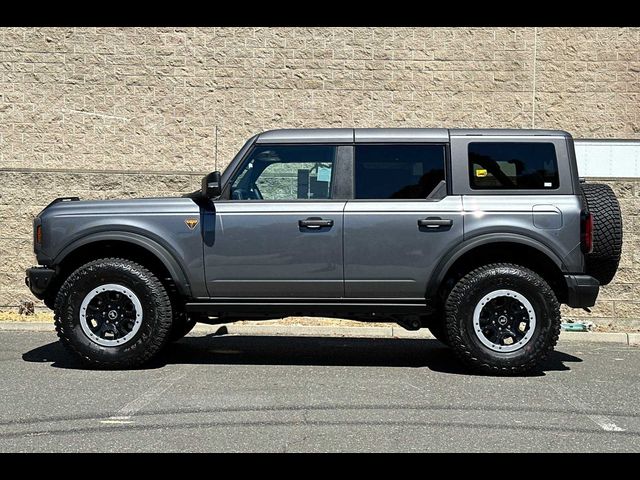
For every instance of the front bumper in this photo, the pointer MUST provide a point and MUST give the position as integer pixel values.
(582, 290)
(38, 280)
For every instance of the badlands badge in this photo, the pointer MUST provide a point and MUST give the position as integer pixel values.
(191, 223)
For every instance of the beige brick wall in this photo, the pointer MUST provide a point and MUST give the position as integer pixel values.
(141, 102)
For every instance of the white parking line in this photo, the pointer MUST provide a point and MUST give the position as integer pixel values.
(602, 421)
(605, 423)
(127, 412)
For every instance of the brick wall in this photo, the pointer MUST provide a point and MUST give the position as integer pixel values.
(113, 112)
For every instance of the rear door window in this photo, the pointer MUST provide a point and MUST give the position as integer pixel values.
(398, 171)
(513, 166)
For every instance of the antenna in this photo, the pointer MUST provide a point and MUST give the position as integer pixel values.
(216, 152)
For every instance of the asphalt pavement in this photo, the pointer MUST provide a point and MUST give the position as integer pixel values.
(219, 393)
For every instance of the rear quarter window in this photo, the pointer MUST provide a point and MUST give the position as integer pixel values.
(513, 166)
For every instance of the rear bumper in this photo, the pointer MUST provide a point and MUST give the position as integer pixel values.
(38, 280)
(582, 290)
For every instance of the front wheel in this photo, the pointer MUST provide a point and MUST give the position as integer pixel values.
(502, 319)
(113, 313)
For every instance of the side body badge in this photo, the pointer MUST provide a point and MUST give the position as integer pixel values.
(191, 222)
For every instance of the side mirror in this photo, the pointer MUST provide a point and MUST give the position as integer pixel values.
(211, 187)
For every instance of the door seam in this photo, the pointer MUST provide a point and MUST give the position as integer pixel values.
(344, 282)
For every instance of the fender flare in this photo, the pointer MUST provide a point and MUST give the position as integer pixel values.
(170, 262)
(465, 246)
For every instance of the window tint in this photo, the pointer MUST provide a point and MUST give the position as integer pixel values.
(397, 171)
(286, 172)
(512, 165)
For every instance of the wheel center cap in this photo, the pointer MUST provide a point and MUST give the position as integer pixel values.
(502, 319)
(112, 314)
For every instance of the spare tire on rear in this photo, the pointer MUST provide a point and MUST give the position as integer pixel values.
(602, 262)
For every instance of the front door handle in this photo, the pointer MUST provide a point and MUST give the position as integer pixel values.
(315, 223)
(435, 222)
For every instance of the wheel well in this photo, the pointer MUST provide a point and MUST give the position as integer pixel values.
(508, 252)
(115, 249)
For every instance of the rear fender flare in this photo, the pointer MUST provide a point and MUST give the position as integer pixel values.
(459, 250)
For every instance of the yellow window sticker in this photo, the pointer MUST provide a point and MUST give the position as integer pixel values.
(481, 172)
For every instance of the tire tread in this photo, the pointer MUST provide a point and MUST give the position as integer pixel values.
(602, 262)
(545, 343)
(152, 345)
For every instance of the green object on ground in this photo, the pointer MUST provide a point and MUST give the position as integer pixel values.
(574, 327)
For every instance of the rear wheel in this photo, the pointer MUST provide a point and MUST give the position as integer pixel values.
(502, 319)
(113, 313)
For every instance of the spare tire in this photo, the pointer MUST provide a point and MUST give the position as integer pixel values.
(602, 262)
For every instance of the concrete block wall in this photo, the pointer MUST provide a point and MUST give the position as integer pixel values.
(117, 112)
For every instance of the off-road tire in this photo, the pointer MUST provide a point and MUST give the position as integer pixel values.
(153, 333)
(602, 263)
(468, 292)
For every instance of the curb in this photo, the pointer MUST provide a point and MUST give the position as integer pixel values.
(392, 331)
(26, 327)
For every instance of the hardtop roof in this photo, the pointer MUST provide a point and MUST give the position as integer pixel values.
(381, 135)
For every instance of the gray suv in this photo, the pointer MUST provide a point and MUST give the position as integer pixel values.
(478, 235)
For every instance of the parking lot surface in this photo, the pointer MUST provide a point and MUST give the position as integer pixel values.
(273, 393)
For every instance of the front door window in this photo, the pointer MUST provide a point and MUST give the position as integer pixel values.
(286, 172)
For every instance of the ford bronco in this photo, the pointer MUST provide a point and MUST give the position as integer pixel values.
(478, 235)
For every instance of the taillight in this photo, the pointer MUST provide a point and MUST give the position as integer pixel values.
(586, 232)
(39, 234)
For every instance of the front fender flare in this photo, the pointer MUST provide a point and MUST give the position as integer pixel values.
(159, 251)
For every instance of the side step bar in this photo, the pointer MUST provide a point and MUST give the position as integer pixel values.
(309, 307)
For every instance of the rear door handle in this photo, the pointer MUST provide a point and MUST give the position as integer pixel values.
(315, 223)
(435, 222)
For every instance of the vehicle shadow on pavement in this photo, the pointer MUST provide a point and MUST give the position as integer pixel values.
(318, 351)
